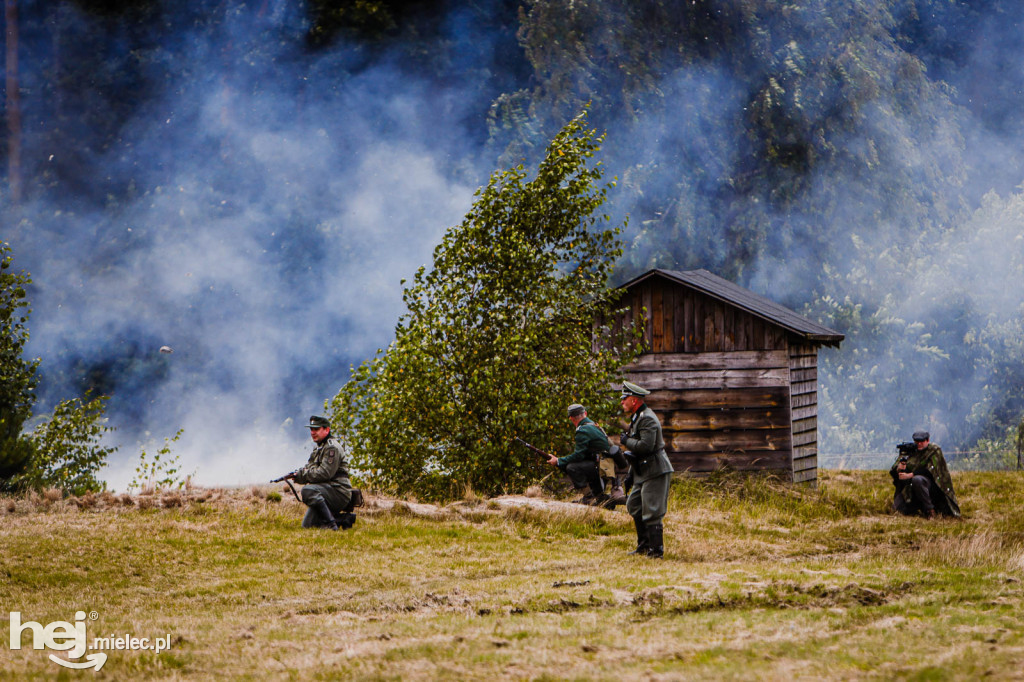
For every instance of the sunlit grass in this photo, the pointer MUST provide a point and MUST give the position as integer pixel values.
(761, 581)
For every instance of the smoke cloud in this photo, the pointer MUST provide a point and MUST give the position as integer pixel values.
(261, 202)
(838, 154)
(275, 213)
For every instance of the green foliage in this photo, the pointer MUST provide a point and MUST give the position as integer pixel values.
(161, 471)
(991, 454)
(499, 337)
(17, 375)
(63, 451)
(66, 449)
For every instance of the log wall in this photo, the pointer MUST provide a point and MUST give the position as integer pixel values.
(731, 389)
(722, 408)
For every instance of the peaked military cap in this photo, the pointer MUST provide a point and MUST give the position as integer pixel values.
(319, 422)
(629, 388)
(921, 435)
(576, 409)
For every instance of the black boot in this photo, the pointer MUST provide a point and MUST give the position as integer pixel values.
(656, 547)
(345, 520)
(642, 538)
(321, 508)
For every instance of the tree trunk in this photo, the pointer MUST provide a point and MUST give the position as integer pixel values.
(13, 102)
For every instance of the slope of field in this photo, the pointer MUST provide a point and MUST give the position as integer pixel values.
(761, 581)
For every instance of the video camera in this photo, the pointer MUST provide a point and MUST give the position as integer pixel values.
(905, 450)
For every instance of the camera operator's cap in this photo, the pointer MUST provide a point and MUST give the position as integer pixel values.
(576, 410)
(319, 423)
(629, 388)
(920, 436)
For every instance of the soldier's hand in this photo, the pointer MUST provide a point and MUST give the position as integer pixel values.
(552, 460)
(623, 436)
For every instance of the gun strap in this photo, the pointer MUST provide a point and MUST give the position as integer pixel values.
(294, 492)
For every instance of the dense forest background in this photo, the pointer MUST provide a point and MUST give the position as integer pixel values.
(248, 183)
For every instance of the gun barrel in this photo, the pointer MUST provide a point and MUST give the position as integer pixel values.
(531, 447)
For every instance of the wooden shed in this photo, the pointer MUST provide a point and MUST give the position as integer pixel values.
(733, 376)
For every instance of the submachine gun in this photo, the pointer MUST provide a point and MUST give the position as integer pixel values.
(355, 501)
(287, 478)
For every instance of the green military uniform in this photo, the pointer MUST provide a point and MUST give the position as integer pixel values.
(931, 487)
(591, 441)
(651, 472)
(581, 464)
(326, 481)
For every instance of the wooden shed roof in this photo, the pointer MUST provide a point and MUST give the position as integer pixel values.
(755, 304)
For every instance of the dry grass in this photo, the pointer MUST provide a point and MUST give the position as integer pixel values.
(761, 581)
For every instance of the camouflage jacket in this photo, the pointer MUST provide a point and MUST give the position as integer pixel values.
(328, 464)
(644, 440)
(929, 462)
(590, 442)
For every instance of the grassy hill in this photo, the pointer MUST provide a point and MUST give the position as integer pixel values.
(761, 581)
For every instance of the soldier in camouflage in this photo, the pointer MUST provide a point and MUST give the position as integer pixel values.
(327, 491)
(650, 471)
(923, 484)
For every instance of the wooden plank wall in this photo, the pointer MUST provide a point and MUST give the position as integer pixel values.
(682, 320)
(803, 368)
(721, 408)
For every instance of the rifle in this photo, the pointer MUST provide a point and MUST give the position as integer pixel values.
(287, 478)
(535, 449)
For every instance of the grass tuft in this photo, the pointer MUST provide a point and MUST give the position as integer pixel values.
(172, 499)
(985, 548)
(87, 501)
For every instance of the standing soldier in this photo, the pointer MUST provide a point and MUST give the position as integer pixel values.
(327, 491)
(650, 470)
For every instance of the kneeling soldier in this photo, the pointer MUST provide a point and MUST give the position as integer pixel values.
(922, 480)
(327, 491)
(650, 470)
(581, 465)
